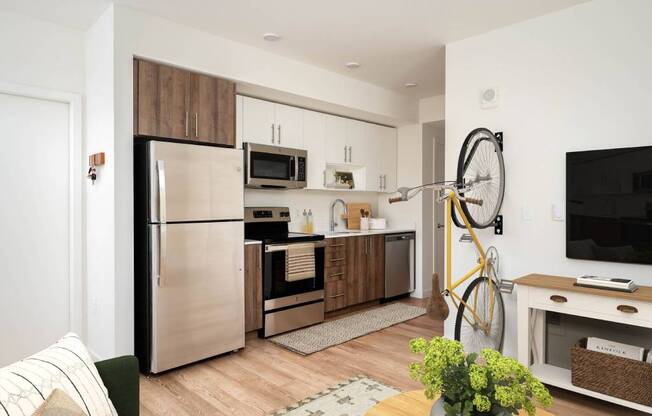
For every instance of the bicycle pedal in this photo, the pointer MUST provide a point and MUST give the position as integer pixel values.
(466, 238)
(506, 286)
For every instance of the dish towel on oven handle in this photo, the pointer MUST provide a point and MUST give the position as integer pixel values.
(300, 262)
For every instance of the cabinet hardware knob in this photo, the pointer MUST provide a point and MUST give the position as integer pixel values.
(627, 309)
(558, 299)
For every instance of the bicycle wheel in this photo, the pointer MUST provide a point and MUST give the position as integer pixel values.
(481, 168)
(487, 330)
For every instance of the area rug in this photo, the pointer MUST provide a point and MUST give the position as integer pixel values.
(353, 397)
(319, 337)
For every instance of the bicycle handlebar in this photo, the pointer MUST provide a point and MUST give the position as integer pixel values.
(475, 201)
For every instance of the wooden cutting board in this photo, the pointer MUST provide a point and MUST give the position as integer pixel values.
(353, 214)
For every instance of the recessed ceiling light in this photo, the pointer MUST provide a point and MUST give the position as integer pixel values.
(410, 84)
(271, 37)
(352, 65)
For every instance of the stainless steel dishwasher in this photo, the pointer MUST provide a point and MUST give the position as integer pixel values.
(399, 264)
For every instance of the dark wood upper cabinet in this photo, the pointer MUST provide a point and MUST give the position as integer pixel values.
(225, 112)
(178, 104)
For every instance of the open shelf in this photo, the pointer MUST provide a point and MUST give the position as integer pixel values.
(561, 377)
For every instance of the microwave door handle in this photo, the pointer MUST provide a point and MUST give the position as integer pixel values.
(293, 166)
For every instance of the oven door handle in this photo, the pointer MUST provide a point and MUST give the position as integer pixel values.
(270, 248)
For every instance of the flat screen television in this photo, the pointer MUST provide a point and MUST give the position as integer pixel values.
(609, 205)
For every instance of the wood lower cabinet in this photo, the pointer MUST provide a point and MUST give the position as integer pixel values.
(253, 287)
(177, 104)
(354, 271)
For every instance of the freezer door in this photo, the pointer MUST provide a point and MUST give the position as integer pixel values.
(194, 183)
(197, 292)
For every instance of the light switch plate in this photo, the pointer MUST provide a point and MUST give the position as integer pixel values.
(558, 212)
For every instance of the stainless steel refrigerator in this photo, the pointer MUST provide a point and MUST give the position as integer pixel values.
(189, 253)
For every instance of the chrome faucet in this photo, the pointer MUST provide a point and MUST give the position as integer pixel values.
(333, 224)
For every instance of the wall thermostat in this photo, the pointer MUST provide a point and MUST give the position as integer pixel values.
(489, 98)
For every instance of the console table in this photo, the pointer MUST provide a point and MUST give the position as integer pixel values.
(539, 293)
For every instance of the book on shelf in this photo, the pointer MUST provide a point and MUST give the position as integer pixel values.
(626, 285)
(615, 348)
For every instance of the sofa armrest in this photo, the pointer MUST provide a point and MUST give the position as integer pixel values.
(121, 378)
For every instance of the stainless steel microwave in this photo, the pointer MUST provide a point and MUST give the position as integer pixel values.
(274, 166)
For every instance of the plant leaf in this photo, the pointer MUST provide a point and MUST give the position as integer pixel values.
(470, 359)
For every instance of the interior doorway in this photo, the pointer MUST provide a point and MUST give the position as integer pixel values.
(40, 243)
(433, 158)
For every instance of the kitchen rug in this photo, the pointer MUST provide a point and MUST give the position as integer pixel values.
(353, 397)
(321, 336)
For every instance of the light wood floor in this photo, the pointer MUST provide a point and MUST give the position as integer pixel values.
(264, 377)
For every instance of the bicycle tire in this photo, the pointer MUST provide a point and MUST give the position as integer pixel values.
(466, 160)
(501, 315)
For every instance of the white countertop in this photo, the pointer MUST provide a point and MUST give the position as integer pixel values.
(249, 242)
(356, 233)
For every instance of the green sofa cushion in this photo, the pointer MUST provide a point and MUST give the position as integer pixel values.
(121, 378)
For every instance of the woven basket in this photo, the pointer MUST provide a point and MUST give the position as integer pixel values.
(611, 375)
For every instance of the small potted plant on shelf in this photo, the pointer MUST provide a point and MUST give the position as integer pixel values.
(468, 385)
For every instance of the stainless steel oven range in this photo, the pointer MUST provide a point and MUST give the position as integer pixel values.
(293, 271)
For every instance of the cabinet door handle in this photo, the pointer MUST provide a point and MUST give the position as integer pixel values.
(197, 125)
(338, 259)
(384, 182)
(337, 245)
(350, 154)
(187, 115)
(344, 154)
(273, 141)
(279, 134)
(336, 274)
(558, 299)
(627, 309)
(336, 296)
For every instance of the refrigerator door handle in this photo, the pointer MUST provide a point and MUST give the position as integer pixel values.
(162, 213)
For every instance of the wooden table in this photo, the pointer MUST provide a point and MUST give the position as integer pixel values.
(415, 403)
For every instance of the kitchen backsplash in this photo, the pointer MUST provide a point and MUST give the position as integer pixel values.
(318, 201)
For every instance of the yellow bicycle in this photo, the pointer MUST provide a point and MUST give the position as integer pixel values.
(475, 198)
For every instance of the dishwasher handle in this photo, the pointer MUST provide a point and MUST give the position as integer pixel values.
(399, 237)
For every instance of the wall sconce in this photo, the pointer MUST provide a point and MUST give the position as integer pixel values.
(94, 160)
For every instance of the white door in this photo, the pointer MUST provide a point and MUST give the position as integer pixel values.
(34, 219)
(314, 129)
(388, 154)
(258, 121)
(336, 145)
(289, 126)
(363, 139)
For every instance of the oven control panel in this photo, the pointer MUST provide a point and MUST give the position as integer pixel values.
(267, 214)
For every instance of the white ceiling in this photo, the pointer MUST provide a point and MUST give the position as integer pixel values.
(395, 41)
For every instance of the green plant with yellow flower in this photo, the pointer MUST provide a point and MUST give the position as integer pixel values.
(495, 385)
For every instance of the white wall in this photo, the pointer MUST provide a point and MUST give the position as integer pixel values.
(100, 197)
(432, 108)
(41, 54)
(573, 80)
(318, 201)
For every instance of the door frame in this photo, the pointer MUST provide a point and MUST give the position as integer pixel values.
(75, 217)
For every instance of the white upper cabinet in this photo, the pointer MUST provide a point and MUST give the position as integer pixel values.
(388, 151)
(258, 121)
(289, 126)
(270, 123)
(337, 151)
(368, 150)
(314, 141)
